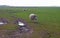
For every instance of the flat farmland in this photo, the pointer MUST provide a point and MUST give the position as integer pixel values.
(48, 19)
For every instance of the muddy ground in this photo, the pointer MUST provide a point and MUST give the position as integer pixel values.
(13, 34)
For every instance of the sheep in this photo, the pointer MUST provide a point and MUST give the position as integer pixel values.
(33, 17)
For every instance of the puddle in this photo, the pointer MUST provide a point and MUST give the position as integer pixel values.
(3, 21)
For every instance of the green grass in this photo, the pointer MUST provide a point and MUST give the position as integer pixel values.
(48, 18)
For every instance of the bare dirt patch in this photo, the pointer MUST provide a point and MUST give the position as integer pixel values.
(12, 34)
(44, 34)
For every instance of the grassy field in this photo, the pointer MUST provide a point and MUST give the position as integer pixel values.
(48, 18)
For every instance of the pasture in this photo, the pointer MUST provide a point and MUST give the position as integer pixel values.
(48, 19)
